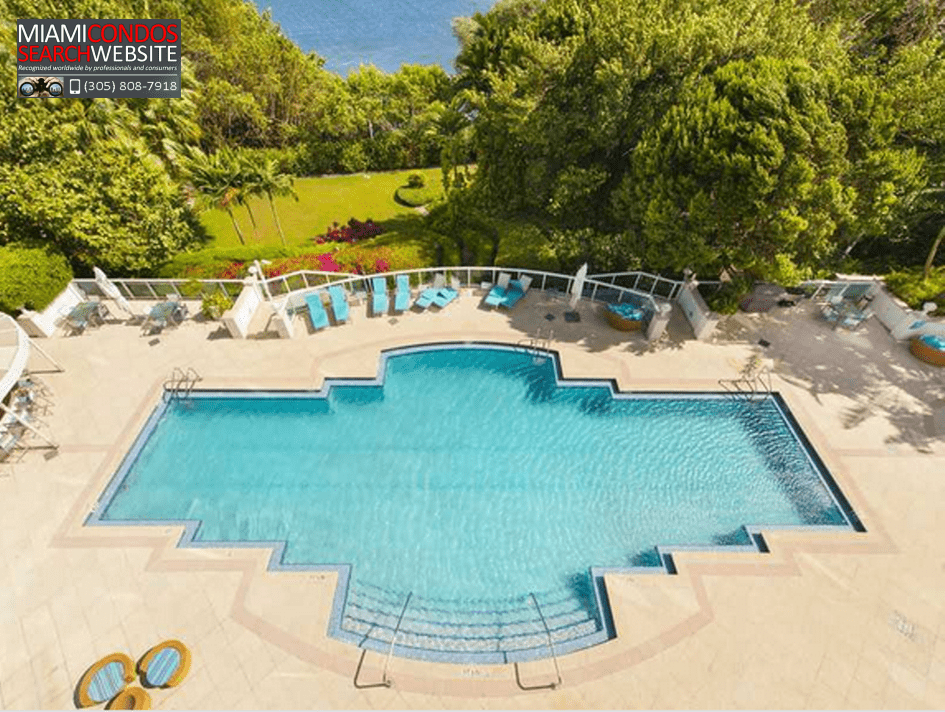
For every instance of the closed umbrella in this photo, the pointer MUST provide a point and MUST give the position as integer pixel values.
(110, 290)
(577, 287)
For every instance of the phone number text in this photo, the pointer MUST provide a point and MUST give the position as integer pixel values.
(97, 87)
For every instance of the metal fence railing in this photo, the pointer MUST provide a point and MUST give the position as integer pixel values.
(823, 290)
(361, 285)
(163, 288)
(652, 284)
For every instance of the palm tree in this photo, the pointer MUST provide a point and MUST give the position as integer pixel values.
(212, 177)
(272, 181)
(244, 178)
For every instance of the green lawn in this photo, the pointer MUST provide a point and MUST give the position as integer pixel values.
(322, 201)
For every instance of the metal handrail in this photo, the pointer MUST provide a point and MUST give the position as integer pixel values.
(554, 656)
(390, 653)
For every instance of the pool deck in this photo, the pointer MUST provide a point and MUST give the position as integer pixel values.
(825, 620)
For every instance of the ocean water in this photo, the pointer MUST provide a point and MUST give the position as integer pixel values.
(386, 33)
(472, 475)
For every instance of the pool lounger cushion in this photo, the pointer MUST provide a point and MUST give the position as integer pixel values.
(165, 665)
(515, 292)
(445, 296)
(426, 297)
(498, 293)
(131, 698)
(105, 679)
(402, 295)
(379, 303)
(316, 311)
(339, 305)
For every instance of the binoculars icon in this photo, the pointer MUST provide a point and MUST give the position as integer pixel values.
(40, 87)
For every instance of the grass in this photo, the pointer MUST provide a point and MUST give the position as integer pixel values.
(322, 201)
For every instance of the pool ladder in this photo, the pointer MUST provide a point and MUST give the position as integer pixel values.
(537, 347)
(554, 656)
(385, 680)
(751, 386)
(179, 386)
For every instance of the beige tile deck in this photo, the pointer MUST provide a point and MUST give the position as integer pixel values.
(823, 621)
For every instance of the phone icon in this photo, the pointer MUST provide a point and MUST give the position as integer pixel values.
(75, 86)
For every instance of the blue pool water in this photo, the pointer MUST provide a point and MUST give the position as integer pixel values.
(387, 34)
(471, 478)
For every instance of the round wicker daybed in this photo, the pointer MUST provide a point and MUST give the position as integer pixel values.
(624, 317)
(929, 348)
(131, 698)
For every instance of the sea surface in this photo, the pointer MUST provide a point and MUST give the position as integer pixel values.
(386, 33)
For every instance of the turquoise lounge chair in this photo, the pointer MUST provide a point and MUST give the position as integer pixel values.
(516, 290)
(339, 304)
(499, 291)
(428, 295)
(316, 311)
(379, 302)
(402, 296)
(447, 294)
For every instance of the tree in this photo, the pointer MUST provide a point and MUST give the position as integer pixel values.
(271, 182)
(213, 178)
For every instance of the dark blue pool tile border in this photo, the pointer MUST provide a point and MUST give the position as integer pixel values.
(755, 539)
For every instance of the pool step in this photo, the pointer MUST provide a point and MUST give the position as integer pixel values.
(473, 627)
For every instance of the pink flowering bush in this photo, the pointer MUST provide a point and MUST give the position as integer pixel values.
(354, 231)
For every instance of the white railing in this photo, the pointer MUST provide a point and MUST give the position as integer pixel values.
(652, 284)
(827, 289)
(593, 289)
(152, 289)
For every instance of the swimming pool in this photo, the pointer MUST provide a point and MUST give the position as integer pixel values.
(478, 483)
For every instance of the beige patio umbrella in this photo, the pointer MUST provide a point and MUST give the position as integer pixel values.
(577, 287)
(111, 291)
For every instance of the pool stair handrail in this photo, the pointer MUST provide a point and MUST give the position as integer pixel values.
(554, 656)
(537, 347)
(181, 383)
(393, 639)
(752, 386)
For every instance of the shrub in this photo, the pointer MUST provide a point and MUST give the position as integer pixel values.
(415, 197)
(214, 304)
(31, 277)
(370, 260)
(911, 288)
(415, 180)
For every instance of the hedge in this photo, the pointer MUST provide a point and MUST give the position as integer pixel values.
(31, 277)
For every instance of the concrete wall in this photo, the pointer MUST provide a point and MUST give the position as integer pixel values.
(902, 322)
(701, 319)
(238, 317)
(45, 323)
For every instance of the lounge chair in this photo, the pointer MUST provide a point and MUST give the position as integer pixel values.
(402, 295)
(162, 314)
(428, 295)
(498, 292)
(316, 311)
(447, 294)
(165, 665)
(131, 698)
(105, 679)
(515, 292)
(379, 301)
(339, 304)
